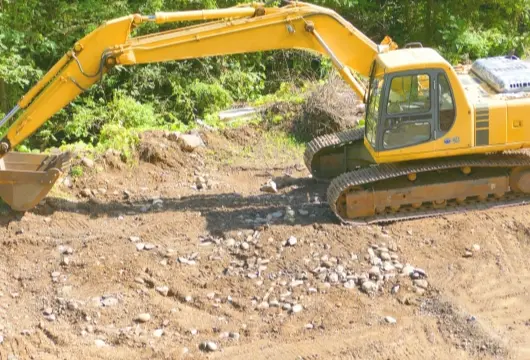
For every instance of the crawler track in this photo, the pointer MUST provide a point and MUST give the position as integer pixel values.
(366, 176)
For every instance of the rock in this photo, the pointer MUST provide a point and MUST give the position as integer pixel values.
(296, 309)
(208, 346)
(65, 261)
(468, 254)
(333, 278)
(140, 246)
(234, 335)
(408, 270)
(66, 250)
(158, 333)
(476, 247)
(395, 289)
(244, 245)
(173, 136)
(162, 290)
(286, 306)
(86, 192)
(309, 326)
(47, 311)
(230, 242)
(369, 287)
(50, 317)
(143, 318)
(89, 163)
(374, 271)
(269, 187)
(190, 142)
(360, 108)
(109, 301)
(385, 256)
(390, 320)
(350, 284)
(149, 246)
(290, 215)
(100, 343)
(200, 182)
(274, 303)
(392, 246)
(303, 212)
(194, 332)
(264, 305)
(420, 272)
(421, 283)
(388, 267)
(55, 274)
(134, 239)
(291, 241)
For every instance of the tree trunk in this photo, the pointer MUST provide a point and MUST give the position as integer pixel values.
(428, 27)
(4, 104)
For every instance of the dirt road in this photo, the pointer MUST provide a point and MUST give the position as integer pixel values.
(137, 263)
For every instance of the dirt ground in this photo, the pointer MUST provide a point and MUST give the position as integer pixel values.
(214, 265)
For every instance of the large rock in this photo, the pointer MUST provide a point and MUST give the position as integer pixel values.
(190, 142)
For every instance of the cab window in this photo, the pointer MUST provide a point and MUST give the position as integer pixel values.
(447, 112)
(409, 116)
(409, 94)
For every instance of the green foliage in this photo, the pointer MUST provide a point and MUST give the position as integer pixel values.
(117, 137)
(208, 98)
(243, 85)
(76, 171)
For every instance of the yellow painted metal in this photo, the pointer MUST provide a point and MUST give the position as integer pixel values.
(518, 117)
(497, 123)
(166, 17)
(34, 91)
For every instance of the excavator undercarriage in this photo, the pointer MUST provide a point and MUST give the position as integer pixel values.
(362, 193)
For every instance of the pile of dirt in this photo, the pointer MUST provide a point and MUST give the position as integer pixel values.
(332, 107)
(162, 148)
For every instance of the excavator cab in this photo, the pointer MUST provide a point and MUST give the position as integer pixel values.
(406, 109)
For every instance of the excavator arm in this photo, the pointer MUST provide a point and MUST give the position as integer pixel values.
(241, 29)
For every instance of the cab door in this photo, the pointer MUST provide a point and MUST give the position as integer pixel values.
(409, 117)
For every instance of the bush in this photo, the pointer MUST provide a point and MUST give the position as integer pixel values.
(209, 98)
(243, 85)
(117, 137)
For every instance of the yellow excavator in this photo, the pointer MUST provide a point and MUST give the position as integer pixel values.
(436, 140)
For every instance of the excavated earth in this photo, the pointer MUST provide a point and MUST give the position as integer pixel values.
(182, 256)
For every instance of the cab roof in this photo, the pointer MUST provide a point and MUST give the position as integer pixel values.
(410, 59)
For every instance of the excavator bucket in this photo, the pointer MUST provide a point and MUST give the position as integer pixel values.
(25, 179)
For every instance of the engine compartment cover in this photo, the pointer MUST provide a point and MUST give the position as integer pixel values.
(504, 74)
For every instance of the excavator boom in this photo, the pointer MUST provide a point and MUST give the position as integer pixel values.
(241, 29)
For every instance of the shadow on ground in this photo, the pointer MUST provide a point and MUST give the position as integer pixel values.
(223, 212)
